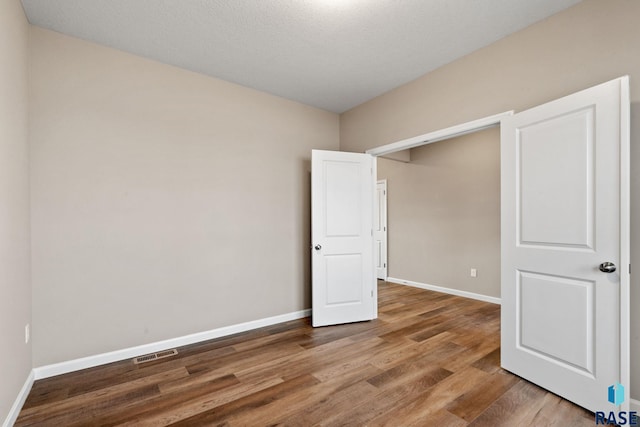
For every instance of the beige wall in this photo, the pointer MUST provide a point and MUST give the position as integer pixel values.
(164, 202)
(444, 213)
(590, 43)
(15, 287)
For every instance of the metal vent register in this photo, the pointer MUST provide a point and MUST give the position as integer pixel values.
(155, 356)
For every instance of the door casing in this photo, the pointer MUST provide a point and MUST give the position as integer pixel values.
(380, 229)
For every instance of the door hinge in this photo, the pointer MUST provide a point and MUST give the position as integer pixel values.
(629, 268)
(372, 232)
(384, 193)
(371, 293)
(385, 265)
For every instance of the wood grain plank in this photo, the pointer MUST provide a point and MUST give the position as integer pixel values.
(250, 402)
(471, 404)
(201, 404)
(290, 405)
(517, 407)
(342, 401)
(434, 400)
(94, 399)
(392, 395)
(429, 359)
(164, 402)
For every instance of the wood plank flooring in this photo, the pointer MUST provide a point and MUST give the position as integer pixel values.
(430, 359)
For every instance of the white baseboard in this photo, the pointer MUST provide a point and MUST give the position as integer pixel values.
(457, 292)
(634, 405)
(127, 353)
(17, 405)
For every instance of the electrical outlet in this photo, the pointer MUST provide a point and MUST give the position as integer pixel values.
(27, 333)
(474, 272)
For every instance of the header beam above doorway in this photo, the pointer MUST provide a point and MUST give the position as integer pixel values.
(439, 135)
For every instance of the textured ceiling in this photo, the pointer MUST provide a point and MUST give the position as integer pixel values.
(331, 54)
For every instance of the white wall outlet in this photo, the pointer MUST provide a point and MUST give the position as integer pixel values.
(27, 333)
(474, 272)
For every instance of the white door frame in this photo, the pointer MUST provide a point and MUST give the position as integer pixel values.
(381, 214)
(625, 199)
(440, 135)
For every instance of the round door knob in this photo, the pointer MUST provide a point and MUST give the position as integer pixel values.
(318, 247)
(607, 267)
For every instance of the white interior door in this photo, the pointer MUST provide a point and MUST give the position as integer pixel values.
(380, 230)
(565, 212)
(342, 204)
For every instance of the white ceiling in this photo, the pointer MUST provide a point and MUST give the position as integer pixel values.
(331, 54)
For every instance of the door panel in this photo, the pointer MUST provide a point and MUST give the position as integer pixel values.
(562, 147)
(344, 279)
(341, 192)
(542, 305)
(563, 214)
(342, 203)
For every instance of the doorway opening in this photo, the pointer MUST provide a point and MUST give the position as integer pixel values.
(445, 216)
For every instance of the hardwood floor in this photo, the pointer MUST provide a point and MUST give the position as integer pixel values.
(430, 359)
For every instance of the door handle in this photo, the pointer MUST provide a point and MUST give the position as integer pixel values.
(607, 267)
(318, 247)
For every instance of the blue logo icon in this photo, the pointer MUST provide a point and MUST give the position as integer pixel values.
(616, 394)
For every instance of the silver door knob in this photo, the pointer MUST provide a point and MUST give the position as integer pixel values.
(318, 247)
(607, 267)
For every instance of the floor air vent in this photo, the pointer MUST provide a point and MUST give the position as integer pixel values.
(155, 356)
